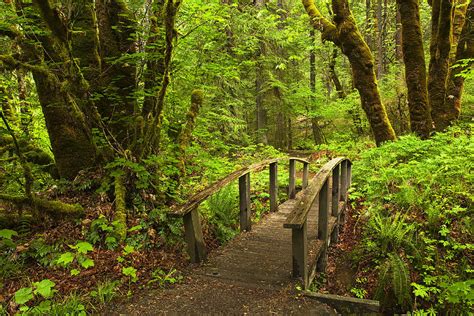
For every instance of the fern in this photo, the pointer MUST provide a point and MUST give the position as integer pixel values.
(394, 282)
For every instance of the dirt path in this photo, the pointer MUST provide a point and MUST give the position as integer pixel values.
(199, 295)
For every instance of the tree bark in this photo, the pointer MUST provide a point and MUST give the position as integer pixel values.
(441, 28)
(344, 34)
(415, 68)
(464, 50)
(317, 132)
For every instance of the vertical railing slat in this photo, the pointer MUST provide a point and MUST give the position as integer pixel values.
(299, 239)
(292, 179)
(244, 198)
(324, 201)
(193, 236)
(274, 187)
(305, 174)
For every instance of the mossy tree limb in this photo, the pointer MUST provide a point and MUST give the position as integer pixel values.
(120, 205)
(344, 33)
(415, 67)
(185, 134)
(52, 208)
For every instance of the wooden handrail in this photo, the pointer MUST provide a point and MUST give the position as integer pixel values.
(298, 216)
(189, 211)
(330, 186)
(198, 198)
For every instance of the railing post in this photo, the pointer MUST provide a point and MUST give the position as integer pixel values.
(193, 236)
(292, 183)
(335, 191)
(324, 199)
(299, 242)
(244, 197)
(349, 174)
(335, 202)
(274, 187)
(343, 191)
(305, 174)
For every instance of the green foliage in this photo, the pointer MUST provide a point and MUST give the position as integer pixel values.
(418, 198)
(79, 256)
(162, 278)
(104, 292)
(102, 232)
(394, 282)
(223, 213)
(39, 293)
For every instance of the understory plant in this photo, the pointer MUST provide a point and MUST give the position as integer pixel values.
(418, 205)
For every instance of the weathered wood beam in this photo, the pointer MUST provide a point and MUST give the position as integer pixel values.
(193, 236)
(274, 187)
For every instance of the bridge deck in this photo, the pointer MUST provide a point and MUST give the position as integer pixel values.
(251, 274)
(261, 257)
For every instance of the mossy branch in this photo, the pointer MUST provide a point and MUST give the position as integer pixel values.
(120, 206)
(52, 208)
(52, 19)
(318, 21)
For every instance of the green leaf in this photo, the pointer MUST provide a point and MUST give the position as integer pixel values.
(131, 272)
(87, 263)
(8, 233)
(83, 247)
(75, 272)
(128, 249)
(23, 295)
(65, 259)
(44, 288)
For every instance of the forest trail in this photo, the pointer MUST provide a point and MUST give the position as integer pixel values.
(250, 274)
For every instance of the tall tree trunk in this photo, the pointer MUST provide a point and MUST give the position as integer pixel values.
(70, 138)
(317, 132)
(464, 50)
(154, 50)
(261, 112)
(415, 68)
(441, 28)
(344, 33)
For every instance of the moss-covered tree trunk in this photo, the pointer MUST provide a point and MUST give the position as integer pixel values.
(464, 51)
(70, 138)
(415, 68)
(155, 67)
(345, 34)
(441, 30)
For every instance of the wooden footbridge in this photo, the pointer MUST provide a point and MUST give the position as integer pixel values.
(287, 245)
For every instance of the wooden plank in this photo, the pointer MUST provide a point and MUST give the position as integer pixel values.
(305, 175)
(323, 211)
(299, 242)
(347, 305)
(292, 179)
(298, 215)
(193, 236)
(198, 198)
(335, 190)
(274, 187)
(343, 190)
(304, 161)
(244, 201)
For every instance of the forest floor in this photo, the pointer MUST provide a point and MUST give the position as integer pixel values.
(198, 295)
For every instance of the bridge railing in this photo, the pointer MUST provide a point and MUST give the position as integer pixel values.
(189, 212)
(327, 193)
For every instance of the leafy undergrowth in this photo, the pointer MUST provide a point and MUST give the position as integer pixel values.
(60, 267)
(56, 266)
(416, 252)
